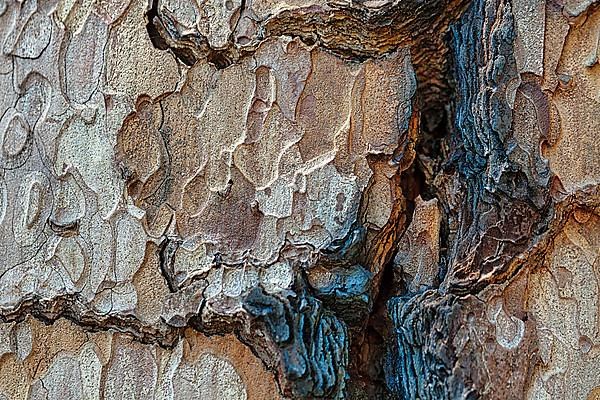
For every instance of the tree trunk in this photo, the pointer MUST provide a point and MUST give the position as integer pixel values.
(271, 200)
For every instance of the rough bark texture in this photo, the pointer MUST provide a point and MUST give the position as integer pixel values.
(254, 199)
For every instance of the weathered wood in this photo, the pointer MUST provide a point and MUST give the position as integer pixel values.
(303, 199)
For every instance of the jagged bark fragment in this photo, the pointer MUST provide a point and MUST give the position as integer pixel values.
(64, 361)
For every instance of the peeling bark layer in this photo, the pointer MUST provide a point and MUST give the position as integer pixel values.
(256, 200)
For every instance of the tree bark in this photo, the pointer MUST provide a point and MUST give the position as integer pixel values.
(304, 199)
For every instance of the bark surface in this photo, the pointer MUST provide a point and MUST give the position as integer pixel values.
(257, 199)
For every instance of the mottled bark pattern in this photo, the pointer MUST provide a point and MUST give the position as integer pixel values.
(303, 199)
